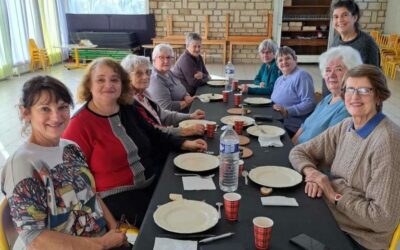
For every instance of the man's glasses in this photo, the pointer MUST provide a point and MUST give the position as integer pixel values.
(363, 91)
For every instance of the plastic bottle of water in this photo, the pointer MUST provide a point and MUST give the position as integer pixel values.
(229, 161)
(229, 74)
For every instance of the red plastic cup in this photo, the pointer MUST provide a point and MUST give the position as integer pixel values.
(211, 129)
(231, 206)
(235, 85)
(237, 99)
(225, 95)
(239, 127)
(262, 231)
(241, 167)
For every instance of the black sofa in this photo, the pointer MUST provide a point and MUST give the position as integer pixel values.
(111, 31)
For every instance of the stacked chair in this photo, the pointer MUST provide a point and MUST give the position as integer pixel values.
(389, 47)
(39, 57)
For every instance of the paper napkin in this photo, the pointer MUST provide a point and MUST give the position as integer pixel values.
(279, 201)
(267, 141)
(198, 183)
(167, 244)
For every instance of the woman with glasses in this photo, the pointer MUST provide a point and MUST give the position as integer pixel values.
(190, 68)
(123, 150)
(362, 153)
(333, 65)
(138, 68)
(269, 71)
(345, 17)
(47, 182)
(165, 88)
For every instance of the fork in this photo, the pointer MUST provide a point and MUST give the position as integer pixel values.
(201, 176)
(260, 128)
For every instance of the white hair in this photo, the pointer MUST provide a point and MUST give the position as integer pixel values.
(162, 47)
(130, 62)
(349, 56)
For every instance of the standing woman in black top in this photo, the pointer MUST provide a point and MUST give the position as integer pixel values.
(345, 17)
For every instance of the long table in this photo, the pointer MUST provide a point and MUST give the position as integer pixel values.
(312, 217)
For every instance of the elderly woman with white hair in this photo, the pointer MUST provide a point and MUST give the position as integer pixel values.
(165, 88)
(138, 68)
(269, 71)
(333, 65)
(190, 68)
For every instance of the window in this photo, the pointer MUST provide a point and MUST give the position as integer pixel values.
(107, 6)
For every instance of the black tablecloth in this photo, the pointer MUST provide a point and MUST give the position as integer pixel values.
(312, 217)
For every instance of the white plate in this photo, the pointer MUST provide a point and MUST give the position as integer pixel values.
(270, 131)
(230, 119)
(191, 122)
(217, 83)
(186, 216)
(275, 177)
(211, 96)
(257, 100)
(196, 162)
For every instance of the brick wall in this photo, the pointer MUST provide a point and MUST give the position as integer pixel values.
(247, 17)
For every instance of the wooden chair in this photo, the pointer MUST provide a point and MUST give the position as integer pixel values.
(8, 235)
(39, 57)
(374, 34)
(395, 239)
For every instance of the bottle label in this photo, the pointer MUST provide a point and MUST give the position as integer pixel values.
(229, 71)
(228, 148)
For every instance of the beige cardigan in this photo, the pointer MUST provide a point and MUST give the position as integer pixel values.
(366, 172)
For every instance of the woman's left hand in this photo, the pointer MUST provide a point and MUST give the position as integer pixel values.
(281, 110)
(323, 182)
(198, 114)
(197, 145)
(198, 75)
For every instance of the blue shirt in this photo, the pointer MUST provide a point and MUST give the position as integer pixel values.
(324, 116)
(268, 75)
(295, 92)
(367, 129)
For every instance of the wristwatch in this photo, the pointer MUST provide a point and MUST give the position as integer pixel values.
(337, 198)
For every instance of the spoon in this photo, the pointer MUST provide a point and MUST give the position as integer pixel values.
(219, 204)
(245, 173)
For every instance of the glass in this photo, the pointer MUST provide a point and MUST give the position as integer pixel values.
(165, 58)
(141, 73)
(266, 52)
(363, 91)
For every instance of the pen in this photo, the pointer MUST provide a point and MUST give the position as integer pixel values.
(206, 240)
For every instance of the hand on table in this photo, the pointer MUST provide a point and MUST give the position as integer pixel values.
(315, 177)
(198, 114)
(189, 99)
(114, 238)
(196, 129)
(198, 145)
(262, 84)
(281, 110)
(198, 75)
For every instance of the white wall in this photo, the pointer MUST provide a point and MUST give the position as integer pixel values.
(392, 17)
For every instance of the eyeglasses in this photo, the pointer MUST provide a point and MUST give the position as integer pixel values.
(266, 52)
(363, 91)
(334, 70)
(141, 73)
(162, 58)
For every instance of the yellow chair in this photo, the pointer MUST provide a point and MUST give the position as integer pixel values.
(8, 235)
(395, 239)
(39, 57)
(374, 34)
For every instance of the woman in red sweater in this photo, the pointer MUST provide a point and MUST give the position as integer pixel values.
(120, 146)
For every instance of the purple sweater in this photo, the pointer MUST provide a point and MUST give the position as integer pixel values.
(296, 93)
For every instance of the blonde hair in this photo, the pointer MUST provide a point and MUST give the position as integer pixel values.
(85, 95)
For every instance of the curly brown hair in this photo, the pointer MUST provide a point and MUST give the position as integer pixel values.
(83, 92)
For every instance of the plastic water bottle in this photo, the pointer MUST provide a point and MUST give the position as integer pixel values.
(229, 74)
(229, 161)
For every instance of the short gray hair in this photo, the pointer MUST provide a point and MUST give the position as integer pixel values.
(285, 50)
(350, 57)
(192, 36)
(130, 62)
(268, 44)
(162, 47)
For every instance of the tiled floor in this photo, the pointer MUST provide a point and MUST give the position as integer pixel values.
(10, 136)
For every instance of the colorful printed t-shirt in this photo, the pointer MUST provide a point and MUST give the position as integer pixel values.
(51, 188)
